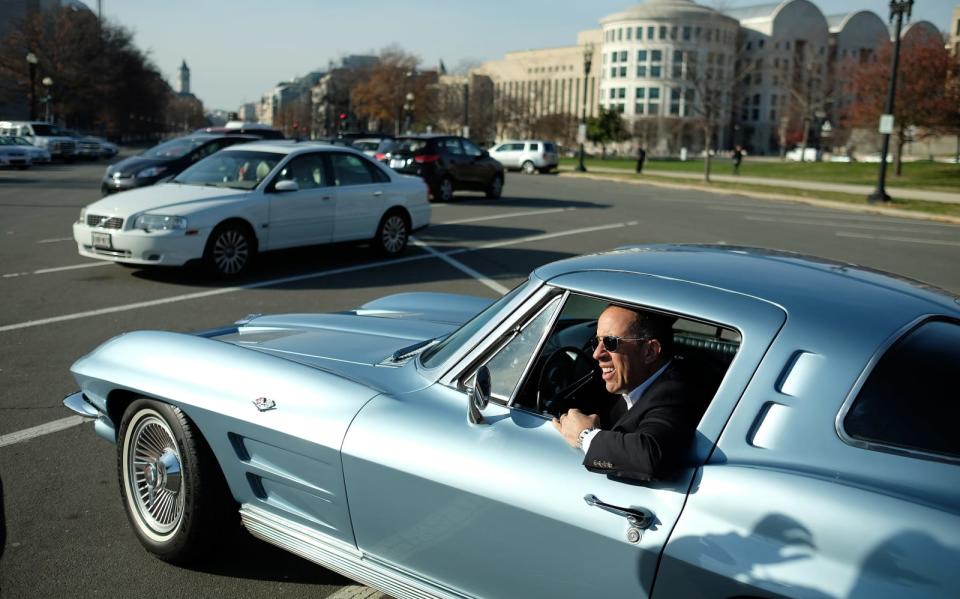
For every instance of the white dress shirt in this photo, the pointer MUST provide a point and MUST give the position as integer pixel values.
(630, 399)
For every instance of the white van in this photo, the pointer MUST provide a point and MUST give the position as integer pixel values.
(528, 155)
(43, 135)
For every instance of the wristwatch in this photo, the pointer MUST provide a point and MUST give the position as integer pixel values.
(582, 436)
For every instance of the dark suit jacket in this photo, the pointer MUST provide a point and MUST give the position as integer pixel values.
(651, 439)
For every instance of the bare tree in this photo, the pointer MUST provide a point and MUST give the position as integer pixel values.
(810, 92)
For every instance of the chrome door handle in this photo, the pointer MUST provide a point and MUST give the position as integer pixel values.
(326, 197)
(641, 518)
(377, 194)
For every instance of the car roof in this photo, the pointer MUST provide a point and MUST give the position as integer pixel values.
(289, 146)
(784, 278)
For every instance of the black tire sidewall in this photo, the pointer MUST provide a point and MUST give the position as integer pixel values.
(378, 240)
(208, 259)
(495, 194)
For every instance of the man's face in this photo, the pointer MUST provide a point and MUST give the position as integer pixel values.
(630, 365)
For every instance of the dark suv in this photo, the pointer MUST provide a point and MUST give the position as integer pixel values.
(446, 162)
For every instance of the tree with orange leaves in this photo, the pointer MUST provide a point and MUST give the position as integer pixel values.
(926, 97)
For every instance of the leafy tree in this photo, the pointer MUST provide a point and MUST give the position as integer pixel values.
(926, 97)
(605, 128)
(382, 96)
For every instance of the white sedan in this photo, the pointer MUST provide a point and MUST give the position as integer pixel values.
(256, 197)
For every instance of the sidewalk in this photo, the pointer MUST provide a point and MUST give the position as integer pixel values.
(900, 193)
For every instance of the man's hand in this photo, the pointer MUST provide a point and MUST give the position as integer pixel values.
(573, 422)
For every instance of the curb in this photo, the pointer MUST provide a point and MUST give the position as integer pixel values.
(953, 220)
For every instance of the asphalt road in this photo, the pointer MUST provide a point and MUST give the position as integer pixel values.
(67, 534)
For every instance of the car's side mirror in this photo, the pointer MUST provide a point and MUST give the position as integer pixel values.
(485, 154)
(286, 185)
(479, 396)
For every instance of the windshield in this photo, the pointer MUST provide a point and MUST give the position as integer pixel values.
(409, 145)
(45, 130)
(237, 169)
(175, 148)
(436, 355)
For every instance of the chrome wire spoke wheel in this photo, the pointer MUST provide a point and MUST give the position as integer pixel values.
(393, 238)
(231, 252)
(446, 190)
(154, 475)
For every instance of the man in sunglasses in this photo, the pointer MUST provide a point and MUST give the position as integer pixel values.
(646, 434)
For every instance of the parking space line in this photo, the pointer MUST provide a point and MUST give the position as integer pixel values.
(461, 267)
(44, 271)
(43, 429)
(836, 225)
(57, 240)
(296, 278)
(477, 219)
(900, 239)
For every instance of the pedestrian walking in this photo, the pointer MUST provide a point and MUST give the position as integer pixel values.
(641, 157)
(737, 159)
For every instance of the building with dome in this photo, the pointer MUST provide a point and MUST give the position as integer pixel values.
(770, 74)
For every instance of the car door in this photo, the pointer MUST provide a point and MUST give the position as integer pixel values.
(303, 216)
(361, 193)
(499, 509)
(482, 167)
(507, 155)
(455, 161)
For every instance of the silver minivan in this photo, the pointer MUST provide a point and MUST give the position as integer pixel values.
(527, 155)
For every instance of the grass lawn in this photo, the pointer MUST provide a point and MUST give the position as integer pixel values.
(934, 176)
(938, 208)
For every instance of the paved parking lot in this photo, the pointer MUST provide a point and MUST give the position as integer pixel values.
(68, 534)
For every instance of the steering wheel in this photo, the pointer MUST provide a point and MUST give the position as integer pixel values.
(561, 370)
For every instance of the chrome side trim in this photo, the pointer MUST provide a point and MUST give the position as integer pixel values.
(338, 556)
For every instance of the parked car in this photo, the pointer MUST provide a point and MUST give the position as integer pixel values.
(36, 154)
(808, 154)
(108, 149)
(165, 160)
(43, 135)
(88, 147)
(12, 155)
(408, 443)
(368, 145)
(529, 155)
(447, 163)
(252, 198)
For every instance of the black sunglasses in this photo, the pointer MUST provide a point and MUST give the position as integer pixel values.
(612, 342)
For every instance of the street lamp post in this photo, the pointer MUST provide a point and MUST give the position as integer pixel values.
(587, 63)
(47, 83)
(408, 111)
(32, 66)
(897, 10)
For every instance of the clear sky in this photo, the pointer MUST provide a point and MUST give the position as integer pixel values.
(237, 50)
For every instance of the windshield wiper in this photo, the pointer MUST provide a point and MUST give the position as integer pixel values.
(406, 352)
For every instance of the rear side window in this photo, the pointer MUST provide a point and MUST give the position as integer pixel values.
(452, 146)
(350, 170)
(910, 400)
(534, 147)
(549, 147)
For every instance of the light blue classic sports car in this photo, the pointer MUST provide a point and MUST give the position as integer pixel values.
(408, 443)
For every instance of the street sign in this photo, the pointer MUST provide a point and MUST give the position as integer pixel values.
(886, 124)
(582, 133)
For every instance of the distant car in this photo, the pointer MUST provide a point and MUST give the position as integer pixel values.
(164, 161)
(13, 155)
(808, 154)
(408, 443)
(43, 135)
(37, 154)
(252, 198)
(368, 145)
(88, 147)
(528, 155)
(108, 149)
(447, 163)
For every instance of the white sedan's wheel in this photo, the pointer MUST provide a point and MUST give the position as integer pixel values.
(528, 167)
(230, 250)
(392, 234)
(172, 488)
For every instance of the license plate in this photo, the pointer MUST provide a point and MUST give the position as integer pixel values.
(102, 240)
(397, 163)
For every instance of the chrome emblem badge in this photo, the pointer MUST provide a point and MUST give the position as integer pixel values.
(263, 404)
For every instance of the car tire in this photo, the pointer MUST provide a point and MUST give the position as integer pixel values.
(495, 189)
(444, 190)
(393, 233)
(528, 168)
(171, 486)
(230, 250)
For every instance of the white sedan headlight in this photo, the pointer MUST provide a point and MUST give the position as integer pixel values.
(83, 215)
(160, 222)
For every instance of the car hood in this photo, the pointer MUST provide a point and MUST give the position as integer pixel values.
(178, 199)
(129, 167)
(360, 344)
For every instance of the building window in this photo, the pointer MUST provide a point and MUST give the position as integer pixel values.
(623, 56)
(629, 33)
(755, 114)
(760, 43)
(641, 70)
(687, 102)
(650, 32)
(686, 33)
(641, 93)
(619, 35)
(656, 55)
(614, 56)
(641, 56)
(639, 33)
(638, 108)
(613, 93)
(655, 71)
(663, 32)
(675, 101)
(773, 115)
(613, 72)
(697, 32)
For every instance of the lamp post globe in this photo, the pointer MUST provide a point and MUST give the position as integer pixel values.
(587, 63)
